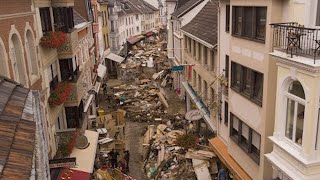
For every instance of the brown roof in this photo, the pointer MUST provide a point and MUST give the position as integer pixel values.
(17, 130)
(205, 24)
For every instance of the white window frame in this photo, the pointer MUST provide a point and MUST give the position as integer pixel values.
(296, 100)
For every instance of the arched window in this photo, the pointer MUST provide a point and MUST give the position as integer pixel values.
(31, 54)
(17, 59)
(4, 71)
(295, 98)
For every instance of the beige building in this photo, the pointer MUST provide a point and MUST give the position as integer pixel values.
(295, 138)
(71, 63)
(247, 100)
(200, 59)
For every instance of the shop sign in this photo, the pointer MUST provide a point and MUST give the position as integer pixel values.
(177, 68)
(194, 115)
(65, 162)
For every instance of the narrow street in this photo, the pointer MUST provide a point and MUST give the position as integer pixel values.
(134, 130)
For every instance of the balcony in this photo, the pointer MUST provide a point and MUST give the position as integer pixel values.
(70, 46)
(77, 90)
(296, 42)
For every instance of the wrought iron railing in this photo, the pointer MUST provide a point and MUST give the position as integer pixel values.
(295, 39)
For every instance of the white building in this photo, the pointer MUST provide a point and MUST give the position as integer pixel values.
(295, 139)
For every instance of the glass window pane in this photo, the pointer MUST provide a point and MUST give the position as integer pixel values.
(248, 23)
(289, 118)
(296, 89)
(258, 86)
(247, 81)
(235, 123)
(261, 22)
(244, 134)
(238, 20)
(256, 140)
(236, 75)
(299, 125)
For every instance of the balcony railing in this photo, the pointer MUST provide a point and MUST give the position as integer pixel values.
(297, 40)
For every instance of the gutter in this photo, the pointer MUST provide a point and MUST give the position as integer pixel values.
(200, 40)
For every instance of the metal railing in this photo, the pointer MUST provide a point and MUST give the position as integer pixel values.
(295, 39)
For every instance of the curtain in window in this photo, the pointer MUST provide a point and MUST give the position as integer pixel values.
(290, 118)
(256, 140)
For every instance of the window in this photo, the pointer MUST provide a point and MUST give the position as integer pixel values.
(194, 48)
(247, 138)
(200, 83)
(45, 19)
(249, 22)
(227, 18)
(227, 67)
(261, 22)
(137, 17)
(205, 92)
(199, 52)
(69, 70)
(189, 42)
(226, 113)
(126, 21)
(138, 29)
(63, 19)
(194, 78)
(248, 82)
(295, 112)
(3, 61)
(212, 60)
(205, 55)
(31, 54)
(112, 26)
(53, 76)
(236, 75)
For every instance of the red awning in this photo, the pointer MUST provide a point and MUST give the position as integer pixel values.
(134, 39)
(150, 33)
(73, 175)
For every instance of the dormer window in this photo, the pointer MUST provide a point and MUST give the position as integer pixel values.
(295, 98)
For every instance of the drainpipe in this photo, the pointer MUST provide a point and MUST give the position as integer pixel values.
(172, 39)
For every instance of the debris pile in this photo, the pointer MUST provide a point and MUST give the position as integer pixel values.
(144, 55)
(166, 158)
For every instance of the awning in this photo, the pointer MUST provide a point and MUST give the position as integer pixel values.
(115, 58)
(86, 157)
(221, 150)
(134, 39)
(150, 33)
(201, 106)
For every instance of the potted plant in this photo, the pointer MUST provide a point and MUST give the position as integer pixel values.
(53, 39)
(60, 94)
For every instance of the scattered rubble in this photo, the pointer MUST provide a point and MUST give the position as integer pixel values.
(164, 159)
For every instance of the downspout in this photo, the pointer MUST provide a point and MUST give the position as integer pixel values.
(172, 38)
(218, 63)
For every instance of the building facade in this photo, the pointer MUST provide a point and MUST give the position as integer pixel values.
(295, 138)
(248, 97)
(200, 59)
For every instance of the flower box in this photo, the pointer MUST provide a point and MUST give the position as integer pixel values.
(53, 39)
(60, 94)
